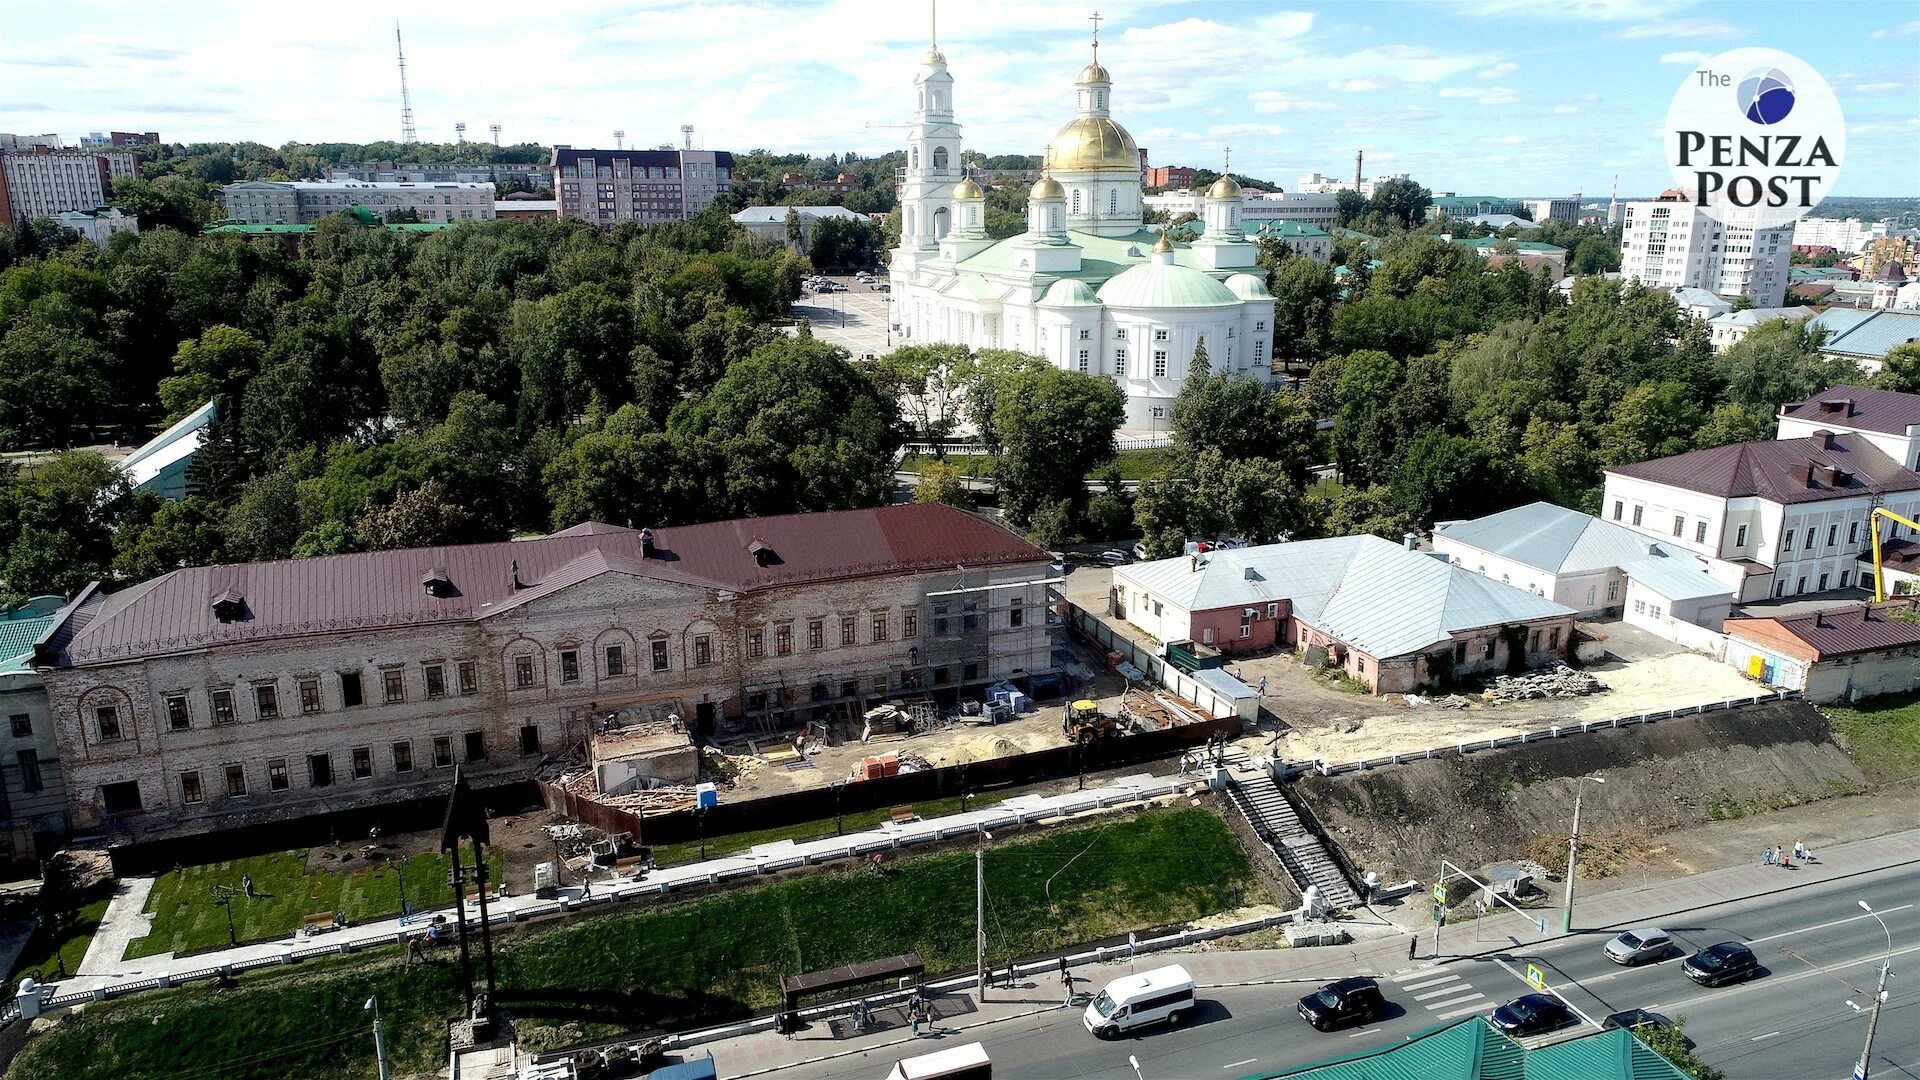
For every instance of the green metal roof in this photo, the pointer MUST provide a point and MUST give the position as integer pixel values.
(1103, 259)
(1165, 285)
(1289, 230)
(17, 636)
(1472, 1050)
(1518, 245)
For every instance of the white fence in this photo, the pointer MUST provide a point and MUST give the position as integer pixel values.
(1217, 706)
(1555, 732)
(1120, 442)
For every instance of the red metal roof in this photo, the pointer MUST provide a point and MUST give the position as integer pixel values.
(383, 589)
(1856, 628)
(1777, 470)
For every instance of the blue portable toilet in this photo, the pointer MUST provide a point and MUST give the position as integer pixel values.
(696, 1069)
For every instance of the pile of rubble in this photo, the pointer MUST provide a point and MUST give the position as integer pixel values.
(1559, 682)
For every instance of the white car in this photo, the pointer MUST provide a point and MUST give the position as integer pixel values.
(1639, 946)
(1140, 550)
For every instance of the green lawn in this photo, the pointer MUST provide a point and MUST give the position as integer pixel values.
(185, 916)
(1133, 464)
(671, 966)
(676, 854)
(50, 953)
(1883, 735)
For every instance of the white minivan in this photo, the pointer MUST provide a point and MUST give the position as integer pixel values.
(1163, 994)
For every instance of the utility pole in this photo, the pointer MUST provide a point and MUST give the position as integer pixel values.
(407, 133)
(379, 1039)
(1573, 847)
(980, 914)
(1862, 1070)
(1439, 906)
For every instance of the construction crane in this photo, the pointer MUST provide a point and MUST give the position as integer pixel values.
(1879, 578)
(407, 133)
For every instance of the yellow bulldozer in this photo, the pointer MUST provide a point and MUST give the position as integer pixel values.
(1085, 722)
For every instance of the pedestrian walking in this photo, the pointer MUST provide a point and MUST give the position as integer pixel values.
(913, 1015)
(1786, 858)
(1800, 851)
(246, 885)
(1412, 944)
(1263, 686)
(1066, 987)
(1767, 857)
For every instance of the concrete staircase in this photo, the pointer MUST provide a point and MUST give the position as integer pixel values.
(1301, 854)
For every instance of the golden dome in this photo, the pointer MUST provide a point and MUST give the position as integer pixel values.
(967, 189)
(1224, 188)
(1047, 188)
(1093, 143)
(1094, 73)
(934, 56)
(1164, 244)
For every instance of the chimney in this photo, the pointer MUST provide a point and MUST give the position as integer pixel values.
(1410, 541)
(1193, 564)
(1825, 437)
(646, 543)
(1807, 472)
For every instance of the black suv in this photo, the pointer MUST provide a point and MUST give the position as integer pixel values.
(1356, 1001)
(1532, 1015)
(1726, 962)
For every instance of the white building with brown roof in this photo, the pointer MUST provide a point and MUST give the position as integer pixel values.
(223, 695)
(1775, 518)
(1887, 419)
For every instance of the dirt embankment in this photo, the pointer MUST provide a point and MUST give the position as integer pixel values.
(1517, 803)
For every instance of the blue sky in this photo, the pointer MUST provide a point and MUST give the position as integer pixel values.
(1504, 96)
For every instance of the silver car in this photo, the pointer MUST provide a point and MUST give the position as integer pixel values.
(1640, 945)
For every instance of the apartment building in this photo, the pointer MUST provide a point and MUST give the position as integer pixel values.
(1170, 176)
(1671, 244)
(1565, 210)
(1775, 518)
(218, 696)
(530, 174)
(43, 181)
(271, 202)
(609, 186)
(1318, 211)
(100, 141)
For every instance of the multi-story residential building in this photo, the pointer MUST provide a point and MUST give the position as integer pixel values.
(609, 186)
(1776, 518)
(33, 793)
(97, 141)
(1316, 184)
(1670, 243)
(1841, 234)
(1170, 176)
(303, 202)
(529, 174)
(28, 142)
(44, 181)
(1319, 211)
(220, 695)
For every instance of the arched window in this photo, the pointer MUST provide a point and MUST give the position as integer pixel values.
(908, 229)
(1101, 97)
(1076, 202)
(1056, 219)
(939, 159)
(913, 156)
(940, 219)
(923, 101)
(973, 216)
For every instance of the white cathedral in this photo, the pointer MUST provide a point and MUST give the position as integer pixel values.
(1087, 285)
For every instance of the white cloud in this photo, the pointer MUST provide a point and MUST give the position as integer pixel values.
(1246, 129)
(1566, 110)
(1903, 30)
(1491, 95)
(1362, 86)
(1500, 70)
(1679, 28)
(1508, 140)
(1583, 10)
(1279, 101)
(1686, 59)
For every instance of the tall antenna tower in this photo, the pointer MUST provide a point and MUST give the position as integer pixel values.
(686, 134)
(495, 128)
(460, 133)
(407, 133)
(619, 139)
(1613, 202)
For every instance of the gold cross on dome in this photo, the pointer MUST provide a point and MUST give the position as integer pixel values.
(1095, 18)
(1227, 165)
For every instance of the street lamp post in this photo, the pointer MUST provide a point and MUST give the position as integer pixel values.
(1862, 1070)
(379, 1037)
(1573, 846)
(980, 913)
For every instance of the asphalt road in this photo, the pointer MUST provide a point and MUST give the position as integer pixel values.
(1790, 1023)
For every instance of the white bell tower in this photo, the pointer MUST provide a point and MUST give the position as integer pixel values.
(934, 168)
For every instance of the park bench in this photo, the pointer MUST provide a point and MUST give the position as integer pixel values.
(320, 922)
(901, 815)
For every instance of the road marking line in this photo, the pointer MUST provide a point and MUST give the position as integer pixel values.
(1451, 1002)
(1463, 1012)
(1424, 972)
(1823, 926)
(1768, 1035)
(1445, 991)
(1362, 1031)
(1435, 981)
(1237, 1064)
(1830, 971)
(1550, 990)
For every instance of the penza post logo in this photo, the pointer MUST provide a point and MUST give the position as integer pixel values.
(1755, 134)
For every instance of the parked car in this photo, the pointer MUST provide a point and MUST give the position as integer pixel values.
(1348, 1001)
(1163, 995)
(883, 287)
(1636, 1019)
(1140, 549)
(1717, 965)
(1114, 558)
(1639, 946)
(1534, 1014)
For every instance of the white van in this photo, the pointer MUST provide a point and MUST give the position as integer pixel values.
(969, 1062)
(1147, 998)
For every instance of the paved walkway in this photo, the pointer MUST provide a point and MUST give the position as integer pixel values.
(762, 1052)
(125, 918)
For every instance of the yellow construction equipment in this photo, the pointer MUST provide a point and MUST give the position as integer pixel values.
(1084, 722)
(1879, 578)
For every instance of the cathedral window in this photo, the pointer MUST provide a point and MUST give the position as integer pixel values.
(1159, 363)
(1259, 353)
(1159, 335)
(1085, 334)
(1076, 201)
(939, 159)
(1085, 360)
(914, 155)
(1120, 359)
(1113, 202)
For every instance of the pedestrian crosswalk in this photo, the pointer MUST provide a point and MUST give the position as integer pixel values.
(1443, 993)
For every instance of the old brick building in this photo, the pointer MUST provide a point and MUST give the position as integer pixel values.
(217, 696)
